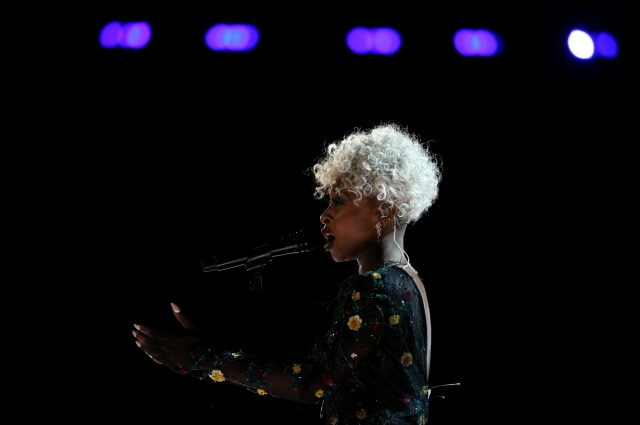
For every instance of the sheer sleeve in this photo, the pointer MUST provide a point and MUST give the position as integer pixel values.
(353, 337)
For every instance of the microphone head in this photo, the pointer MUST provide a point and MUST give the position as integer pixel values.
(290, 243)
(296, 242)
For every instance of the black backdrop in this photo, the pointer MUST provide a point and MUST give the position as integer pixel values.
(175, 153)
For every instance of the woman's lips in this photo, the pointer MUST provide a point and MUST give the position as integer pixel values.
(329, 243)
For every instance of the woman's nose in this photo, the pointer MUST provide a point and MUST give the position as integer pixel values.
(324, 218)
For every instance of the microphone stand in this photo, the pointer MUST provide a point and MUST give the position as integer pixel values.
(259, 257)
(255, 265)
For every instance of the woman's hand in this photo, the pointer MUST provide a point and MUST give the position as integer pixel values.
(172, 349)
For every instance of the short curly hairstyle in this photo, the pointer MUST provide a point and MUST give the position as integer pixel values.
(386, 162)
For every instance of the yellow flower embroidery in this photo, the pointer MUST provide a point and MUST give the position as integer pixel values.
(407, 359)
(355, 322)
(361, 414)
(261, 391)
(395, 319)
(422, 420)
(319, 393)
(355, 296)
(425, 390)
(297, 368)
(375, 275)
(331, 338)
(217, 375)
(236, 354)
(334, 419)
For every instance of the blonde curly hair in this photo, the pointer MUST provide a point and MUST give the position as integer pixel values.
(386, 162)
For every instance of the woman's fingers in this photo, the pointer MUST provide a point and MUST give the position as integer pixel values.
(184, 321)
(165, 348)
(168, 348)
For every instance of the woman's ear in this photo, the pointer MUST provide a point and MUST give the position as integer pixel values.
(386, 211)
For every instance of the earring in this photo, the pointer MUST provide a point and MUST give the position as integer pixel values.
(379, 229)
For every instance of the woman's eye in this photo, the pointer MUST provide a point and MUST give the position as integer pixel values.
(336, 201)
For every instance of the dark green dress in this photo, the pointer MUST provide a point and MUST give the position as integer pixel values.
(370, 368)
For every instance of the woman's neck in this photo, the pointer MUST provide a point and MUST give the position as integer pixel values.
(388, 255)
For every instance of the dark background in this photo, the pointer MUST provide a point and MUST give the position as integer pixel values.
(174, 153)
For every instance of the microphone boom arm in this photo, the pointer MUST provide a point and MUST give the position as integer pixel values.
(259, 257)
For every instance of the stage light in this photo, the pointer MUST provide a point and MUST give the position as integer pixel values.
(477, 42)
(581, 44)
(606, 45)
(236, 37)
(132, 35)
(586, 46)
(375, 41)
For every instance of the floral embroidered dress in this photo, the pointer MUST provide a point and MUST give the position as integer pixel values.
(370, 367)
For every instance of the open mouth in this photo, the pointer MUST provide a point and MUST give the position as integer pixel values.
(329, 241)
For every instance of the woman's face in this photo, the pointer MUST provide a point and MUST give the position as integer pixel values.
(349, 228)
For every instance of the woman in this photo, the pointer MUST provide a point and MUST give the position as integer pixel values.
(372, 364)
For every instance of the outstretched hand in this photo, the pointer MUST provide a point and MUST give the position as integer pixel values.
(173, 348)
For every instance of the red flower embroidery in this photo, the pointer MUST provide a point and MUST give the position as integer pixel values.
(328, 380)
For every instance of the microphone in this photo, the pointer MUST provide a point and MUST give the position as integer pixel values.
(290, 243)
